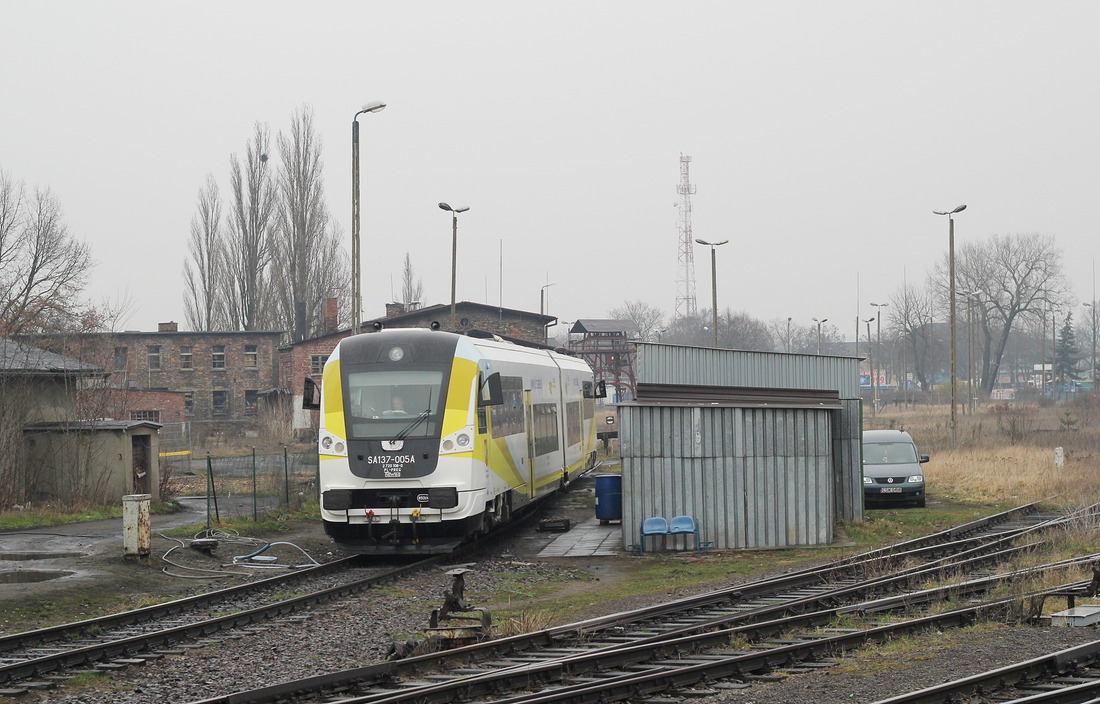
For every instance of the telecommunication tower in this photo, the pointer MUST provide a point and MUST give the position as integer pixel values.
(685, 281)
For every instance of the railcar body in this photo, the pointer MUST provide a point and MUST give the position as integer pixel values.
(428, 438)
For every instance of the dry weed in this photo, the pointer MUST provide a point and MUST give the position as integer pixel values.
(998, 460)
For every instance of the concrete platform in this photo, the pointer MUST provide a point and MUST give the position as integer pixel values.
(1077, 616)
(587, 539)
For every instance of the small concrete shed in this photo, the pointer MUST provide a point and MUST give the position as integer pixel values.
(762, 449)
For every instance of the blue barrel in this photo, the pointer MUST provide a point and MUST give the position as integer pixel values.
(609, 497)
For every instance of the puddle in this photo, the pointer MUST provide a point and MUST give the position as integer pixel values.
(29, 576)
(21, 556)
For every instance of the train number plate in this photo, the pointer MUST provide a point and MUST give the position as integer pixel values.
(891, 490)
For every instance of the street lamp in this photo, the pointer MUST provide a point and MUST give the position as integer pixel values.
(454, 253)
(951, 269)
(356, 297)
(713, 283)
(870, 361)
(819, 322)
(788, 333)
(1092, 372)
(973, 372)
(878, 344)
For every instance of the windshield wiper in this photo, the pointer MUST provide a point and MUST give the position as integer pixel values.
(415, 421)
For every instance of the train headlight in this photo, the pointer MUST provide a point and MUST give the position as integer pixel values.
(459, 441)
(333, 445)
(396, 354)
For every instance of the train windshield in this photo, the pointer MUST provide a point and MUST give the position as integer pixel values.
(384, 404)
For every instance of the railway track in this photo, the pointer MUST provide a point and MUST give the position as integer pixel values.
(1067, 677)
(131, 637)
(695, 632)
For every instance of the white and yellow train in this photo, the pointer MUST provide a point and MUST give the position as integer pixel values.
(428, 438)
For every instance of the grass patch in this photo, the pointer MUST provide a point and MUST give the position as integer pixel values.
(276, 521)
(51, 514)
(88, 679)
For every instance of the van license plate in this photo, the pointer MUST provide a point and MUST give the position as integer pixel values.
(891, 490)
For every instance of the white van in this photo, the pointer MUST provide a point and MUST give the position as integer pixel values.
(892, 468)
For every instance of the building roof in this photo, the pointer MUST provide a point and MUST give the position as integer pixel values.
(445, 308)
(595, 325)
(17, 358)
(93, 425)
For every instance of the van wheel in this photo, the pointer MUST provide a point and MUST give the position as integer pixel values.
(921, 502)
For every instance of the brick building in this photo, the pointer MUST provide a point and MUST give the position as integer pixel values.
(219, 375)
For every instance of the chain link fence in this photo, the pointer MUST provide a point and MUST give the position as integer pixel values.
(235, 485)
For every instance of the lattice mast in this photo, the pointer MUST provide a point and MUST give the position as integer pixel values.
(685, 267)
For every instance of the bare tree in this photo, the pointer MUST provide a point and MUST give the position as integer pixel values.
(412, 286)
(1013, 275)
(741, 331)
(43, 269)
(249, 240)
(912, 309)
(649, 319)
(304, 230)
(204, 276)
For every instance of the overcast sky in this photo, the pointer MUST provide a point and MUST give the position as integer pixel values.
(822, 137)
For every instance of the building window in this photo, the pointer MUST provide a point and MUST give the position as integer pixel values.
(185, 357)
(317, 364)
(120, 358)
(250, 399)
(152, 356)
(145, 415)
(217, 357)
(251, 358)
(188, 403)
(220, 400)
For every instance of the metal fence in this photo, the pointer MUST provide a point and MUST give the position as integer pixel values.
(240, 486)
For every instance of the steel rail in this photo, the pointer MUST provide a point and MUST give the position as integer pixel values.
(551, 637)
(149, 613)
(140, 643)
(526, 675)
(1003, 678)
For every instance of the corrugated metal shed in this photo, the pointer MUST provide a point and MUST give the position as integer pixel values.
(706, 366)
(763, 449)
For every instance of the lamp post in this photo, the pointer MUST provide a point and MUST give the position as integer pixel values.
(819, 322)
(713, 283)
(356, 297)
(1092, 372)
(951, 269)
(878, 344)
(788, 333)
(454, 254)
(870, 361)
(971, 296)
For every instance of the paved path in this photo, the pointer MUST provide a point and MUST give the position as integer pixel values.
(587, 539)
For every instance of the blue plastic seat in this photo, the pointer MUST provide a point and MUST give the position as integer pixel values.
(655, 525)
(685, 525)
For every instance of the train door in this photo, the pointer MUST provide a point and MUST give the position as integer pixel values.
(528, 412)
